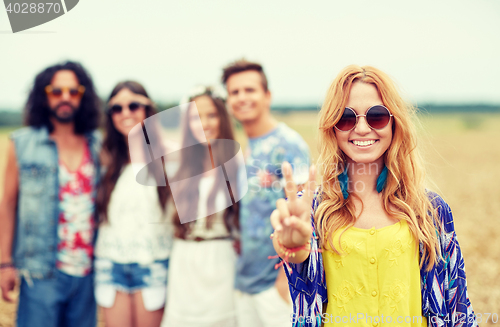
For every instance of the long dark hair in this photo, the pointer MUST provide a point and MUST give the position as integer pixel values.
(190, 162)
(37, 111)
(116, 150)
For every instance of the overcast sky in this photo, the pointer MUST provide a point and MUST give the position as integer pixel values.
(440, 51)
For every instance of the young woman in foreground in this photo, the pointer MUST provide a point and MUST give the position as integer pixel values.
(389, 253)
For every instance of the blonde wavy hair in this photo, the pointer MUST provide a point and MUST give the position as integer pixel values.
(404, 188)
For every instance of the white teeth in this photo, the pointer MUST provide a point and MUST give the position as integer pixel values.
(363, 143)
(245, 107)
(128, 122)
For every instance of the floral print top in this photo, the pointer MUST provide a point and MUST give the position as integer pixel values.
(263, 159)
(76, 226)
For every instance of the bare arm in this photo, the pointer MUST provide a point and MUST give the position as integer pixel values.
(7, 221)
(8, 205)
(281, 285)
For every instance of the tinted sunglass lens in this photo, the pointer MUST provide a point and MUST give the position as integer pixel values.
(116, 109)
(347, 121)
(56, 92)
(378, 117)
(134, 106)
(73, 92)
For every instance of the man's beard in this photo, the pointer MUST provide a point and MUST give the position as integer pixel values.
(68, 117)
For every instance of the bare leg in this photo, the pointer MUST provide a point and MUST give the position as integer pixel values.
(142, 317)
(120, 314)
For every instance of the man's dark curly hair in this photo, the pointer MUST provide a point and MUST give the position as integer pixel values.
(37, 112)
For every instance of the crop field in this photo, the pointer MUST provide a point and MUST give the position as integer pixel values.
(462, 155)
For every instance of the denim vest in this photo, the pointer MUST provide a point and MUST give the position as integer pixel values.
(35, 241)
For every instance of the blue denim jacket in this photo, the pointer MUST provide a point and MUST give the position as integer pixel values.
(35, 240)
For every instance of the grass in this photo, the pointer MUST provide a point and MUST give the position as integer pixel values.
(462, 162)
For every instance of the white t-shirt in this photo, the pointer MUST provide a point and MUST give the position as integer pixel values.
(137, 230)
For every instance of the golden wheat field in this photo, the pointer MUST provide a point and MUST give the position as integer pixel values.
(462, 160)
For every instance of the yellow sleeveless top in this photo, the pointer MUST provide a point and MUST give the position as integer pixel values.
(375, 281)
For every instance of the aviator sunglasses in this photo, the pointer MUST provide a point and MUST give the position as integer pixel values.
(132, 106)
(377, 117)
(58, 91)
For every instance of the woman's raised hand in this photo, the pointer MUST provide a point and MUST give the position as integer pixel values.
(292, 219)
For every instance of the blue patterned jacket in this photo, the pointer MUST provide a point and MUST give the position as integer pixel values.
(445, 301)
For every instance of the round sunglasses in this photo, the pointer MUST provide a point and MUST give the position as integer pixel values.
(58, 91)
(377, 117)
(132, 106)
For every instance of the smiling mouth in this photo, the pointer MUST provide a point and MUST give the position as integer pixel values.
(65, 108)
(245, 108)
(363, 143)
(128, 122)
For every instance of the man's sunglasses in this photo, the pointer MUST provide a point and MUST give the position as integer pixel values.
(377, 118)
(58, 91)
(132, 106)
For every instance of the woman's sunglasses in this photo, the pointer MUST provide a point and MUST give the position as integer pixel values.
(132, 106)
(377, 118)
(58, 91)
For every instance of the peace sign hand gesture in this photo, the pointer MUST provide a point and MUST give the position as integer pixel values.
(292, 219)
